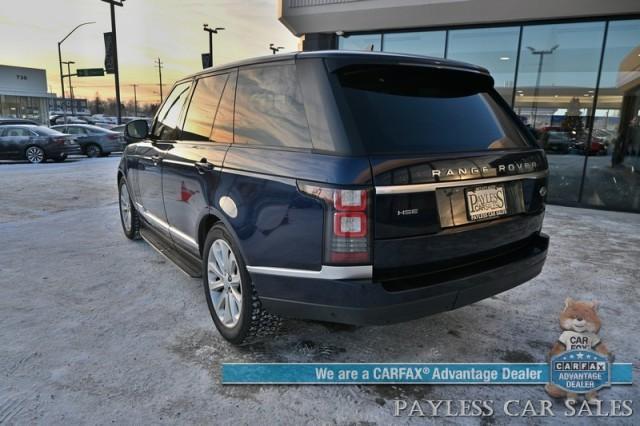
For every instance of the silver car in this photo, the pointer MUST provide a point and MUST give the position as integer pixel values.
(94, 141)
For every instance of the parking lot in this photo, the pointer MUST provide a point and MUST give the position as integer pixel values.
(98, 329)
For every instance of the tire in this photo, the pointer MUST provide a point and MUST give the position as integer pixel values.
(34, 154)
(105, 154)
(129, 218)
(251, 322)
(93, 150)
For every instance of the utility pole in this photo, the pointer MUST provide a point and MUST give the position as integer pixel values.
(135, 101)
(275, 49)
(159, 64)
(64, 106)
(112, 4)
(211, 32)
(541, 54)
(70, 86)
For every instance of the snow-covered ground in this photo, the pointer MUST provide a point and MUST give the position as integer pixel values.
(97, 329)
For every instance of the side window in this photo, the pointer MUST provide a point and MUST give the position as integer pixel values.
(17, 132)
(223, 125)
(203, 107)
(269, 108)
(73, 130)
(167, 120)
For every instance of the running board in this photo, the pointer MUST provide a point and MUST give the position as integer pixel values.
(187, 263)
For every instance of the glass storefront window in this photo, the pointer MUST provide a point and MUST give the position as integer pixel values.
(557, 77)
(496, 49)
(613, 169)
(426, 43)
(360, 42)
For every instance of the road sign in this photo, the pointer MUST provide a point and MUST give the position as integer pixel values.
(206, 60)
(90, 72)
(109, 61)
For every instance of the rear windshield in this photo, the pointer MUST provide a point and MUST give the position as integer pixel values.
(411, 109)
(45, 131)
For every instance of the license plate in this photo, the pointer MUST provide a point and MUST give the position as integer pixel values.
(486, 201)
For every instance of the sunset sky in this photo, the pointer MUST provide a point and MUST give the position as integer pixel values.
(146, 29)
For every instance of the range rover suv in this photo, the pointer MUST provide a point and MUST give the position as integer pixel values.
(350, 187)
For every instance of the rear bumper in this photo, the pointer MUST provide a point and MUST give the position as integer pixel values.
(371, 302)
(61, 150)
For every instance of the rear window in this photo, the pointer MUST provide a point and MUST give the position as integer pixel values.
(410, 109)
(45, 131)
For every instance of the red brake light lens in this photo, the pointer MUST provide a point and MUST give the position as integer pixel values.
(347, 234)
(350, 224)
(350, 199)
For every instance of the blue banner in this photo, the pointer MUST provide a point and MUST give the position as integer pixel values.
(434, 373)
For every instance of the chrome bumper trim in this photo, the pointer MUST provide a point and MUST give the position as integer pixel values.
(427, 187)
(325, 273)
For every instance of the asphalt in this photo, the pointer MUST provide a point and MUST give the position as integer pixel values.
(96, 329)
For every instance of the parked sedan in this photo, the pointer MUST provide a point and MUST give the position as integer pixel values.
(35, 143)
(94, 141)
(555, 141)
(5, 121)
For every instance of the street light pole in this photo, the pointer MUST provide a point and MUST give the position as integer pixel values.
(70, 86)
(541, 54)
(112, 4)
(211, 32)
(64, 107)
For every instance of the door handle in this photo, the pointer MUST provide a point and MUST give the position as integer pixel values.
(156, 159)
(203, 166)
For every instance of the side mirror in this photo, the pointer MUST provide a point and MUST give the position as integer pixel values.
(136, 129)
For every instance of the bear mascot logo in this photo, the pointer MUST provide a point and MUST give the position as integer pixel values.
(580, 324)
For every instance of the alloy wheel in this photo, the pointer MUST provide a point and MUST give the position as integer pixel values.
(35, 154)
(225, 283)
(125, 207)
(93, 151)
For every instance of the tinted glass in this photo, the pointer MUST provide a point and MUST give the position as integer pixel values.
(557, 77)
(426, 43)
(223, 123)
(613, 178)
(269, 108)
(17, 131)
(45, 131)
(370, 42)
(496, 49)
(412, 109)
(203, 107)
(73, 130)
(169, 114)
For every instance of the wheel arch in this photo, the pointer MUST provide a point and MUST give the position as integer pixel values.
(208, 221)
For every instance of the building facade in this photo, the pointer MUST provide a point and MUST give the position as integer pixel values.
(59, 106)
(23, 93)
(570, 69)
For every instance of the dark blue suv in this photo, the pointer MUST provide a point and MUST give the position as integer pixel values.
(350, 187)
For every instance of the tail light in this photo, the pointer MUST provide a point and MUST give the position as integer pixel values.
(59, 141)
(114, 137)
(347, 225)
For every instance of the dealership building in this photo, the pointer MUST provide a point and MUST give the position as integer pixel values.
(569, 68)
(23, 93)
